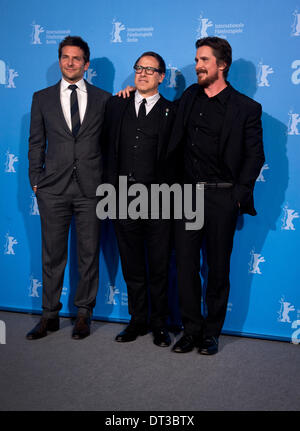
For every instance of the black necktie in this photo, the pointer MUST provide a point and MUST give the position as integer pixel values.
(75, 119)
(142, 110)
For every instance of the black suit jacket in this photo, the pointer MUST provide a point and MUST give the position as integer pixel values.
(53, 151)
(115, 109)
(241, 145)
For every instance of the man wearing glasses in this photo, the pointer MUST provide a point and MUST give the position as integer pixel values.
(137, 134)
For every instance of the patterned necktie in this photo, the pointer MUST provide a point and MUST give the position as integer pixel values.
(142, 110)
(75, 119)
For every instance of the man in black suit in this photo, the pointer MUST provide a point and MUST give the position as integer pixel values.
(137, 136)
(65, 168)
(218, 134)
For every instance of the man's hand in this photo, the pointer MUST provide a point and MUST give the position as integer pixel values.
(34, 189)
(126, 92)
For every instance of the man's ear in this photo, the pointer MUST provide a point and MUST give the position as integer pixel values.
(162, 77)
(222, 66)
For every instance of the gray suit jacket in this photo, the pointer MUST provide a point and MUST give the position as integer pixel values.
(53, 150)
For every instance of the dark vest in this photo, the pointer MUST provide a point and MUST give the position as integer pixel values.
(138, 145)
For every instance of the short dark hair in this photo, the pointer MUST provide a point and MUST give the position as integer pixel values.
(75, 41)
(221, 49)
(160, 60)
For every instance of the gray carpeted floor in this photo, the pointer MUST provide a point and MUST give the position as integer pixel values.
(58, 373)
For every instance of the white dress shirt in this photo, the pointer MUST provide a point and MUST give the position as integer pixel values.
(65, 94)
(138, 98)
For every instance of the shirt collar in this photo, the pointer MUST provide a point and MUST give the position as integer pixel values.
(150, 99)
(80, 84)
(222, 97)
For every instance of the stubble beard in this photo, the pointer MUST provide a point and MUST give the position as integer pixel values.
(209, 80)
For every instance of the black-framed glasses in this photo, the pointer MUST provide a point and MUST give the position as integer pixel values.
(148, 70)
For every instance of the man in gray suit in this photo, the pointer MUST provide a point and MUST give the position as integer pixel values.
(65, 168)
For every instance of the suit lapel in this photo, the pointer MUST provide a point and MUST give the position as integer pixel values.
(189, 105)
(182, 116)
(231, 114)
(59, 111)
(89, 107)
(164, 113)
(122, 106)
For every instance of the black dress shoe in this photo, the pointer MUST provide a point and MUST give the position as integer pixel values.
(161, 337)
(81, 328)
(41, 329)
(186, 344)
(209, 346)
(131, 332)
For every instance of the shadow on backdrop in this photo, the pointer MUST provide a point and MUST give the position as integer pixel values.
(28, 208)
(269, 195)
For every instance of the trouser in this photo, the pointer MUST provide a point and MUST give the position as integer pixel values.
(144, 247)
(220, 216)
(56, 213)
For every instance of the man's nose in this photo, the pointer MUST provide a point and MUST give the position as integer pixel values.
(200, 67)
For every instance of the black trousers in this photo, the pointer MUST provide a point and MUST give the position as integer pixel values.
(56, 213)
(144, 247)
(220, 216)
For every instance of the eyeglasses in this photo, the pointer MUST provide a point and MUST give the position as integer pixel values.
(148, 70)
